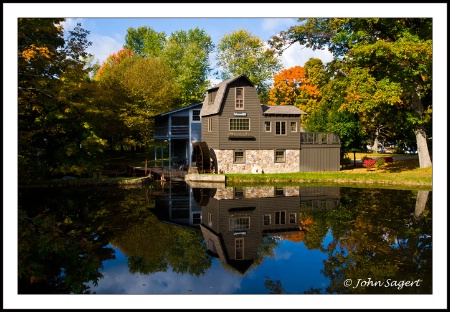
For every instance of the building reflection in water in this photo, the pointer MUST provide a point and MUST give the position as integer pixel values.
(234, 220)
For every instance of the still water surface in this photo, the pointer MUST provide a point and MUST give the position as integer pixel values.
(178, 239)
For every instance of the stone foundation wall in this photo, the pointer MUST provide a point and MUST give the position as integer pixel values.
(264, 159)
(255, 192)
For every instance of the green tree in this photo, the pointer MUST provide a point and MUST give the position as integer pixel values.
(135, 89)
(187, 53)
(145, 41)
(240, 52)
(327, 116)
(55, 99)
(395, 53)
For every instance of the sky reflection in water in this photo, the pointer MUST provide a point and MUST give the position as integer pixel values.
(298, 268)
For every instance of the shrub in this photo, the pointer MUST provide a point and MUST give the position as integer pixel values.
(368, 163)
(380, 162)
(388, 159)
(346, 161)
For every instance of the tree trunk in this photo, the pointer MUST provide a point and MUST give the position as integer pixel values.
(422, 149)
(375, 145)
(421, 138)
(421, 201)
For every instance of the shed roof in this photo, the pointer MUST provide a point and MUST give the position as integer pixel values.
(179, 109)
(281, 110)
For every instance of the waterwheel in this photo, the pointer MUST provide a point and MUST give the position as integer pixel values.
(201, 157)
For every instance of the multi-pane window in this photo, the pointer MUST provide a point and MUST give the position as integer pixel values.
(239, 124)
(239, 99)
(280, 217)
(292, 218)
(279, 191)
(196, 218)
(239, 248)
(267, 220)
(293, 126)
(280, 156)
(280, 127)
(209, 124)
(267, 126)
(196, 115)
(238, 192)
(239, 157)
(239, 223)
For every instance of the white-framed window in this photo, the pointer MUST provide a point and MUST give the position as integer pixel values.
(239, 124)
(210, 220)
(280, 156)
(293, 126)
(210, 125)
(239, 223)
(292, 218)
(280, 128)
(239, 98)
(267, 219)
(280, 217)
(196, 115)
(239, 157)
(267, 126)
(211, 97)
(239, 248)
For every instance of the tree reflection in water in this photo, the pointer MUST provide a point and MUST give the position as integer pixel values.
(65, 235)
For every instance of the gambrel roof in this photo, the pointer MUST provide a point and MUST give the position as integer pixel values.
(214, 108)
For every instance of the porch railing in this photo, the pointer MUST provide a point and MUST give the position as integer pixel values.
(319, 138)
(175, 131)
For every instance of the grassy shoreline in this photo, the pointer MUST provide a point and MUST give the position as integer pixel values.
(403, 172)
(423, 179)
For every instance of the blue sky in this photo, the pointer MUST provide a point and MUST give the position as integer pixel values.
(263, 20)
(107, 34)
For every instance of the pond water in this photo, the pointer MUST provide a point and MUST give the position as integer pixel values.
(176, 239)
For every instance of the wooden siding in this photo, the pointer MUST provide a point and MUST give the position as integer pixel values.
(211, 137)
(320, 157)
(258, 139)
(252, 108)
(269, 140)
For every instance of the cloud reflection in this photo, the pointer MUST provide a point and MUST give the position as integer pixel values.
(215, 281)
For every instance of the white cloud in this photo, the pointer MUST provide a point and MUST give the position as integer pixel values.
(277, 24)
(297, 55)
(70, 23)
(215, 281)
(104, 46)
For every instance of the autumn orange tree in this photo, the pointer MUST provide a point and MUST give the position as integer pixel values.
(293, 87)
(393, 56)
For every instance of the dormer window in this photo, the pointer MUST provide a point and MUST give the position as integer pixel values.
(239, 98)
(211, 97)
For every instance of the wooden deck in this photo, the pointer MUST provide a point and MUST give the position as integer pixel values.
(163, 173)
